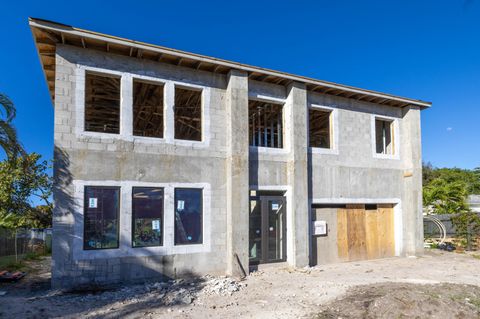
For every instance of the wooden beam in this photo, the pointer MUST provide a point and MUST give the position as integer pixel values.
(328, 90)
(45, 41)
(83, 42)
(51, 36)
(261, 77)
(49, 52)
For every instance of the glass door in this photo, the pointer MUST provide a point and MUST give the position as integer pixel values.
(255, 231)
(276, 229)
(267, 229)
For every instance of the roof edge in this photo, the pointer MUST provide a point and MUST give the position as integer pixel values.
(73, 31)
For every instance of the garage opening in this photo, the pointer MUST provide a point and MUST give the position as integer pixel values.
(352, 232)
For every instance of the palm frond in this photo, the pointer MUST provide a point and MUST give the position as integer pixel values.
(8, 108)
(9, 141)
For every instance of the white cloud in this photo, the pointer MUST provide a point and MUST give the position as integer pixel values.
(449, 129)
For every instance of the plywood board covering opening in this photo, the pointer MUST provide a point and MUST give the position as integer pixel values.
(355, 232)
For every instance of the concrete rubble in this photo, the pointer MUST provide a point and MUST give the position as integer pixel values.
(169, 293)
(221, 286)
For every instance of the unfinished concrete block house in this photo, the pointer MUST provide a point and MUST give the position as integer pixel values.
(169, 163)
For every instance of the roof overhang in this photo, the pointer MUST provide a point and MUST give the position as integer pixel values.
(48, 34)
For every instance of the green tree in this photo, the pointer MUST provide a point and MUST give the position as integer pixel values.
(8, 135)
(40, 216)
(21, 180)
(446, 190)
(445, 197)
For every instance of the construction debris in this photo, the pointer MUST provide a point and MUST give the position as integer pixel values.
(222, 286)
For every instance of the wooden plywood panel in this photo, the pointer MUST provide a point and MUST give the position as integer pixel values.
(342, 234)
(386, 232)
(357, 248)
(371, 231)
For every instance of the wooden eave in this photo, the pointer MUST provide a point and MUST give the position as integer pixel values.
(48, 34)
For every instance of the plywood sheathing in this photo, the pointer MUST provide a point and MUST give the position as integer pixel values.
(365, 234)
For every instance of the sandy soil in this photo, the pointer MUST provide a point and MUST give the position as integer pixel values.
(410, 286)
(401, 300)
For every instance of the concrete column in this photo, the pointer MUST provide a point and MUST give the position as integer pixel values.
(169, 115)
(126, 106)
(297, 173)
(237, 172)
(412, 206)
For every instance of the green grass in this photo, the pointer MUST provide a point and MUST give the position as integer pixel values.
(9, 263)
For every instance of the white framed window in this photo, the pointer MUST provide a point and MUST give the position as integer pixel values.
(385, 137)
(266, 124)
(137, 226)
(188, 113)
(148, 108)
(102, 102)
(322, 129)
(160, 128)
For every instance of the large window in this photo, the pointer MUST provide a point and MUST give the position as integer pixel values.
(147, 109)
(102, 103)
(384, 136)
(147, 216)
(265, 124)
(101, 217)
(188, 216)
(188, 114)
(319, 128)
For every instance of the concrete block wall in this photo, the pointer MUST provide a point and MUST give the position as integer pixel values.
(222, 163)
(355, 174)
(84, 158)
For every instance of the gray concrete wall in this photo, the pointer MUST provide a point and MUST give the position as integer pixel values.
(324, 248)
(223, 164)
(82, 159)
(353, 173)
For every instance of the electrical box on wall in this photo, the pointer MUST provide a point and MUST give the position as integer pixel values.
(319, 228)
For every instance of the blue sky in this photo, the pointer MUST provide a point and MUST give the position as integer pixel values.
(421, 49)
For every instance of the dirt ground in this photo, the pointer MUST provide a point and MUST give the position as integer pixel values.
(436, 285)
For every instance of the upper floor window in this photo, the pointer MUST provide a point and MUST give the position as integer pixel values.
(265, 122)
(320, 134)
(147, 109)
(102, 103)
(384, 136)
(101, 217)
(188, 114)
